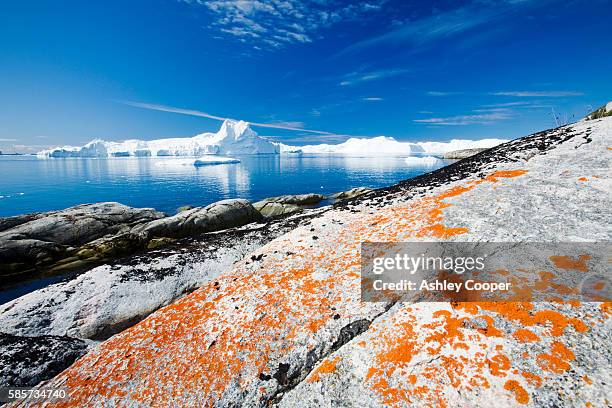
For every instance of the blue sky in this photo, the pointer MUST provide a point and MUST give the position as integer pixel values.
(71, 71)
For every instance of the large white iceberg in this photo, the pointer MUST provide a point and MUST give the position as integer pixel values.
(234, 137)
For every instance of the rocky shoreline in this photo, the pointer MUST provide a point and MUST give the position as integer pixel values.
(80, 237)
(269, 313)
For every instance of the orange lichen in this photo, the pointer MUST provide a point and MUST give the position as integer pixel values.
(525, 336)
(326, 367)
(532, 379)
(498, 365)
(557, 361)
(566, 262)
(519, 392)
(493, 177)
(587, 379)
(583, 179)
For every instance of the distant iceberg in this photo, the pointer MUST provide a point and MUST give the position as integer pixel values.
(388, 146)
(234, 137)
(423, 161)
(237, 138)
(213, 159)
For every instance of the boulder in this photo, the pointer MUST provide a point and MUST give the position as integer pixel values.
(286, 204)
(26, 361)
(217, 216)
(352, 193)
(38, 240)
(81, 224)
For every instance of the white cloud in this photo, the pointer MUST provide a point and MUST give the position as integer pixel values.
(8, 140)
(539, 94)
(359, 76)
(507, 104)
(462, 120)
(440, 93)
(476, 17)
(373, 99)
(277, 23)
(298, 126)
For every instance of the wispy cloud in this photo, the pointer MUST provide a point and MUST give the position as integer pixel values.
(8, 140)
(539, 94)
(507, 104)
(422, 32)
(297, 126)
(462, 120)
(372, 99)
(441, 93)
(357, 77)
(277, 23)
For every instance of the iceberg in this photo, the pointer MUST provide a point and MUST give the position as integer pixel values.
(234, 137)
(423, 161)
(212, 160)
(388, 146)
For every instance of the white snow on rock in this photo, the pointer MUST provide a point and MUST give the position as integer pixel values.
(423, 161)
(234, 137)
(213, 159)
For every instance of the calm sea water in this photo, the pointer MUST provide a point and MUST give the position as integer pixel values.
(29, 184)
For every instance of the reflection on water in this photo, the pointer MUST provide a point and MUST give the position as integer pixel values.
(28, 184)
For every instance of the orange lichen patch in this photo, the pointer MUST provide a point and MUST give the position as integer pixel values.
(566, 262)
(546, 282)
(440, 231)
(606, 307)
(490, 330)
(587, 380)
(532, 379)
(326, 367)
(583, 179)
(495, 176)
(558, 360)
(521, 312)
(498, 365)
(519, 392)
(525, 336)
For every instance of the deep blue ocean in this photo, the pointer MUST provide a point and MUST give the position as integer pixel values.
(29, 184)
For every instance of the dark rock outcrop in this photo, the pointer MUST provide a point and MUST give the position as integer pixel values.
(286, 204)
(39, 240)
(26, 361)
(352, 193)
(217, 216)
